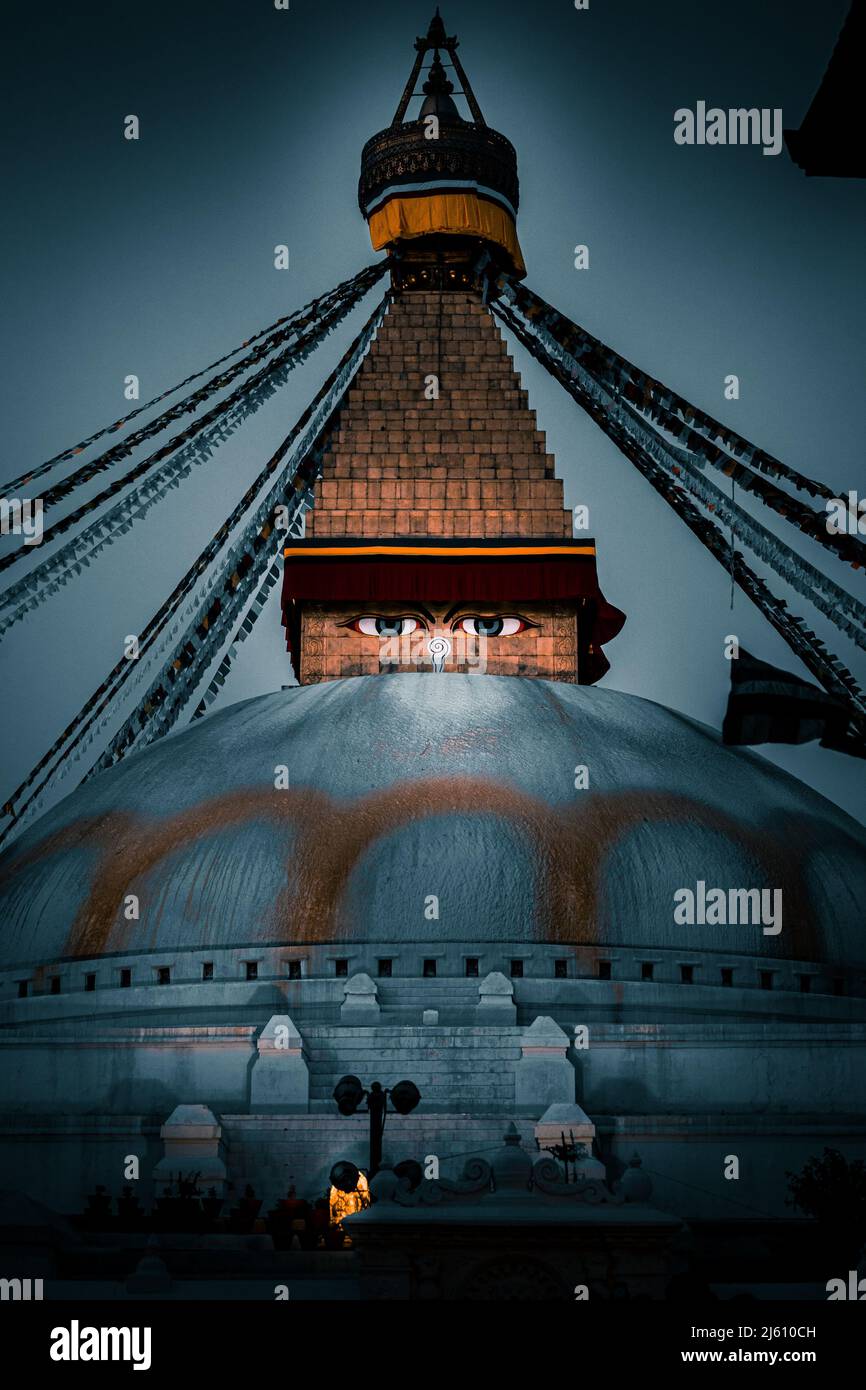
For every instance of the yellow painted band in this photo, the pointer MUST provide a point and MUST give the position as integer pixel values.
(461, 214)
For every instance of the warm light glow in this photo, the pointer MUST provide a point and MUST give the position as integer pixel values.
(344, 1203)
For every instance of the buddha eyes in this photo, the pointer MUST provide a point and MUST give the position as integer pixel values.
(385, 627)
(491, 627)
(474, 626)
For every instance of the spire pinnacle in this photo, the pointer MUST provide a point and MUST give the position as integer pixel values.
(437, 83)
(436, 36)
(437, 90)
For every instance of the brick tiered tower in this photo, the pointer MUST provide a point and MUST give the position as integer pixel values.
(469, 461)
(439, 536)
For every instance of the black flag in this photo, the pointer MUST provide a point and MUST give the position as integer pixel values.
(767, 705)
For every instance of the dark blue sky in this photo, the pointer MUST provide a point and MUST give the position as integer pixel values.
(154, 257)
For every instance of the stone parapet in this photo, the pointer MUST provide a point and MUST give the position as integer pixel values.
(544, 1074)
(360, 1002)
(496, 1000)
(280, 1078)
(192, 1138)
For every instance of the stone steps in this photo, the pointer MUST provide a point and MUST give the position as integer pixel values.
(467, 1066)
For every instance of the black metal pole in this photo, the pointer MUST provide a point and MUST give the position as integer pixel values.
(377, 1104)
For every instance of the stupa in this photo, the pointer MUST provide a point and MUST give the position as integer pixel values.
(447, 853)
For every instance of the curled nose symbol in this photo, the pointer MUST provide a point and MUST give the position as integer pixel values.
(440, 650)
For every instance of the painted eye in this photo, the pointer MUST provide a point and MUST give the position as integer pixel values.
(385, 627)
(492, 627)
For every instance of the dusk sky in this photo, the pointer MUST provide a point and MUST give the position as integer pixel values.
(153, 257)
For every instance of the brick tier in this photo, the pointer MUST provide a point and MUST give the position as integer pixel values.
(472, 463)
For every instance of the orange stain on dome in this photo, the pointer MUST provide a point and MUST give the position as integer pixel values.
(569, 845)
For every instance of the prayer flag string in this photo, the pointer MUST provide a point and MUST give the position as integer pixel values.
(293, 322)
(691, 427)
(215, 603)
(166, 468)
(601, 406)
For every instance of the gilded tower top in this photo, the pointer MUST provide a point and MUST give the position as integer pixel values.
(440, 193)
